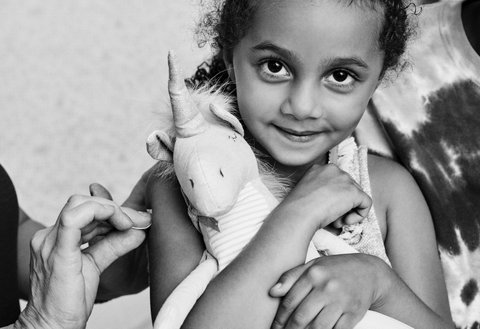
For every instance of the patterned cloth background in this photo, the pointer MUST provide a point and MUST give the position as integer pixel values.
(79, 81)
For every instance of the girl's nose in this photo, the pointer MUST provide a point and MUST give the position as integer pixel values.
(303, 102)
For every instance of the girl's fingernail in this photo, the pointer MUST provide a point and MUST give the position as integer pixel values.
(277, 286)
(109, 207)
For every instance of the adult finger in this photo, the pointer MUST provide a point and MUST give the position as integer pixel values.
(119, 219)
(98, 231)
(72, 220)
(140, 219)
(327, 318)
(306, 312)
(300, 288)
(113, 246)
(100, 191)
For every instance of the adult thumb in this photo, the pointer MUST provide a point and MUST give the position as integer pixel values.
(100, 191)
(113, 246)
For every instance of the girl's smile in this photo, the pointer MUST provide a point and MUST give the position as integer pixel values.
(304, 73)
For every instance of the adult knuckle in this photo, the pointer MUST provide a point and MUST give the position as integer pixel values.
(74, 199)
(67, 218)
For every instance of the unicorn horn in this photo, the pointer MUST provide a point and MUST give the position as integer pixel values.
(186, 116)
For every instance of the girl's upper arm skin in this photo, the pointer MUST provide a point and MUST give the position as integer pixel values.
(410, 237)
(174, 245)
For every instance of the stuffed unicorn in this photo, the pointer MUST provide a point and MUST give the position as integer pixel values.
(228, 201)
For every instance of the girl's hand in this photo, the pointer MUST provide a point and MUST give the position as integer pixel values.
(328, 292)
(326, 194)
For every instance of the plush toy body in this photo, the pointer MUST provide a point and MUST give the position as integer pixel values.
(228, 201)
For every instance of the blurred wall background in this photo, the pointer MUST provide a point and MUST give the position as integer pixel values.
(79, 83)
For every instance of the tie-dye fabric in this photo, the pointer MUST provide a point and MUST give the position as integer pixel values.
(431, 114)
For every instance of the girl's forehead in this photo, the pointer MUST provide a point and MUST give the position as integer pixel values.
(326, 25)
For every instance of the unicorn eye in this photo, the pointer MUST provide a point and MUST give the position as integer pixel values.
(221, 173)
(191, 182)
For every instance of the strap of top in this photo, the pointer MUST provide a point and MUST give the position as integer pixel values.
(364, 236)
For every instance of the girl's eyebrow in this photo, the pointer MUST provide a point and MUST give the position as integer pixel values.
(268, 46)
(345, 61)
(291, 56)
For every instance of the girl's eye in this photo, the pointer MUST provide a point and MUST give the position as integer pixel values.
(341, 78)
(274, 70)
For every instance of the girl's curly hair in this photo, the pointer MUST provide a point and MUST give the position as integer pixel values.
(227, 21)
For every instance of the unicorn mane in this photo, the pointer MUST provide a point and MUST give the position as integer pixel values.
(203, 97)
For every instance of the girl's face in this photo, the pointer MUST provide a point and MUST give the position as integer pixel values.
(304, 74)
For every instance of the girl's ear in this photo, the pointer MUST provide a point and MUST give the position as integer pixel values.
(228, 118)
(160, 146)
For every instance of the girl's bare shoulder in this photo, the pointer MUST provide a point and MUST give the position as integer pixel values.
(391, 185)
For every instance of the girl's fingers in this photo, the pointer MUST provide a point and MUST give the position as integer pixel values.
(327, 318)
(116, 244)
(357, 213)
(287, 280)
(348, 320)
(306, 312)
(300, 288)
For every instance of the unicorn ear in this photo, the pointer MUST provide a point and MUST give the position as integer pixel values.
(228, 118)
(160, 146)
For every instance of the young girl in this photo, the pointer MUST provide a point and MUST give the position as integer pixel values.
(303, 73)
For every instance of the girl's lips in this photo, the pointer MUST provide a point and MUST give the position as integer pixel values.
(297, 136)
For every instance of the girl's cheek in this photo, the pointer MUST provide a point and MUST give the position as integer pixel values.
(345, 114)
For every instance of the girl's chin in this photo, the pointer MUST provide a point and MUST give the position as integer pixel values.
(299, 160)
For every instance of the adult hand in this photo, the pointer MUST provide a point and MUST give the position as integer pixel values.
(128, 274)
(326, 194)
(328, 292)
(64, 277)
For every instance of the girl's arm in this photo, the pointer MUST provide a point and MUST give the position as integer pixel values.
(337, 290)
(238, 296)
(412, 249)
(174, 245)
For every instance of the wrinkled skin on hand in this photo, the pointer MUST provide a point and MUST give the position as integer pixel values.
(64, 277)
